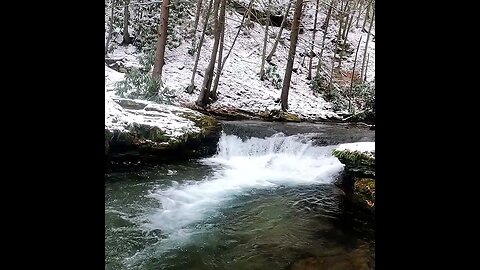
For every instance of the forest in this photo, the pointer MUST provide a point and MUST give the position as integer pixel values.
(315, 59)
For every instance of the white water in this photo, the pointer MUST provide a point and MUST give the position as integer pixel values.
(241, 166)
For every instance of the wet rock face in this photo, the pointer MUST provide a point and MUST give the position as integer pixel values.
(359, 164)
(364, 192)
(359, 176)
(157, 133)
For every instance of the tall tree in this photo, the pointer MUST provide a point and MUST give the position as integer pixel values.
(238, 32)
(161, 41)
(347, 29)
(353, 75)
(349, 25)
(325, 31)
(110, 27)
(357, 20)
(202, 100)
(265, 39)
(199, 48)
(333, 67)
(366, 67)
(330, 81)
(291, 54)
(213, 95)
(126, 17)
(277, 39)
(366, 43)
(367, 14)
(313, 42)
(348, 19)
(197, 16)
(338, 41)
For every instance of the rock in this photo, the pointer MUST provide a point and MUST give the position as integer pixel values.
(278, 115)
(358, 163)
(359, 177)
(137, 130)
(364, 192)
(289, 117)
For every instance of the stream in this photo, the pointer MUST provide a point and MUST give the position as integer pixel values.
(266, 200)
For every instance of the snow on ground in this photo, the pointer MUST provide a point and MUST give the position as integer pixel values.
(166, 117)
(128, 55)
(276, 5)
(358, 146)
(112, 77)
(240, 86)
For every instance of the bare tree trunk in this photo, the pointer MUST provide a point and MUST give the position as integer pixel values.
(331, 72)
(202, 100)
(333, 65)
(126, 17)
(197, 16)
(347, 19)
(353, 75)
(327, 19)
(366, 67)
(277, 39)
(339, 40)
(291, 54)
(366, 43)
(367, 14)
(309, 77)
(359, 13)
(161, 41)
(325, 31)
(213, 95)
(347, 30)
(236, 36)
(110, 27)
(264, 51)
(349, 25)
(200, 43)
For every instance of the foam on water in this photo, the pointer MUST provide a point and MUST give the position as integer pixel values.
(241, 166)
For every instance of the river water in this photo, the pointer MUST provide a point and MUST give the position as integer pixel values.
(266, 202)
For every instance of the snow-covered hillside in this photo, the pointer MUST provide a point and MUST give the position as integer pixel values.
(240, 86)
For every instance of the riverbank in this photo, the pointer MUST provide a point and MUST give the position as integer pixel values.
(359, 177)
(140, 131)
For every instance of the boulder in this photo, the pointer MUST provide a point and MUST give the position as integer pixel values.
(359, 178)
(137, 130)
(359, 158)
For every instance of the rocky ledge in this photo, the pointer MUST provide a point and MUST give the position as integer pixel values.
(140, 131)
(359, 160)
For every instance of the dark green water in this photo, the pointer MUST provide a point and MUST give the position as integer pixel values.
(243, 210)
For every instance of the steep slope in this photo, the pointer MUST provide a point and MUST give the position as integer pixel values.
(240, 86)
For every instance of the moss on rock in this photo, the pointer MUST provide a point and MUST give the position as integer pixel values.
(206, 123)
(162, 133)
(359, 175)
(289, 117)
(356, 162)
(364, 192)
(278, 115)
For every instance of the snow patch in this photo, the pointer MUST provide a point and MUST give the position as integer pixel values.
(112, 77)
(358, 146)
(166, 117)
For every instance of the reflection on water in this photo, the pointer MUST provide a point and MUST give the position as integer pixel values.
(258, 204)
